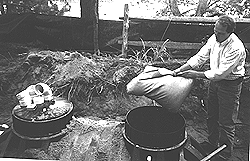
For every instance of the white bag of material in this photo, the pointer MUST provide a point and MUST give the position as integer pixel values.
(168, 91)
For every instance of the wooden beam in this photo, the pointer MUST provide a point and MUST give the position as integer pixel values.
(170, 45)
(90, 12)
(96, 26)
(188, 19)
(125, 31)
(87, 9)
(16, 159)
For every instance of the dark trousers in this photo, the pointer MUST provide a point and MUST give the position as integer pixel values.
(223, 104)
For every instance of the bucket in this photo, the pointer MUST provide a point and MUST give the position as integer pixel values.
(154, 133)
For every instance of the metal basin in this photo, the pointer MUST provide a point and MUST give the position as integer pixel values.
(31, 128)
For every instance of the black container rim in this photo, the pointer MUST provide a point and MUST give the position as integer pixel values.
(127, 122)
(55, 135)
(45, 120)
(155, 149)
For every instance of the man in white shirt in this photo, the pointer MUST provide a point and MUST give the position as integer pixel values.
(227, 55)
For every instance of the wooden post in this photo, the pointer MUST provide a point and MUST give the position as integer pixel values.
(90, 12)
(125, 31)
(96, 26)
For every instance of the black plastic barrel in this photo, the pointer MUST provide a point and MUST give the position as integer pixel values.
(154, 133)
(42, 129)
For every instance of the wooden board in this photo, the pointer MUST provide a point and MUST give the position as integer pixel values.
(188, 19)
(16, 159)
(170, 45)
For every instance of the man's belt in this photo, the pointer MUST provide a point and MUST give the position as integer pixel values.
(234, 81)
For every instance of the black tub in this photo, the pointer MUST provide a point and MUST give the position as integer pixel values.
(42, 129)
(153, 132)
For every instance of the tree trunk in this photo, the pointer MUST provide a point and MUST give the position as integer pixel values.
(96, 27)
(89, 12)
(125, 31)
(87, 9)
(174, 8)
(201, 9)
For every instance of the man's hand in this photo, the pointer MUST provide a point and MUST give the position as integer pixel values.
(192, 74)
(164, 71)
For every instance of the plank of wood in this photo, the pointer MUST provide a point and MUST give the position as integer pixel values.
(96, 27)
(214, 153)
(125, 31)
(188, 19)
(16, 159)
(170, 45)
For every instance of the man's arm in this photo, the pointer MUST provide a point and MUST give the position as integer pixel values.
(185, 71)
(200, 58)
(193, 74)
(183, 68)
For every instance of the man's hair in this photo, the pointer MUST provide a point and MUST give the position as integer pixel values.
(228, 22)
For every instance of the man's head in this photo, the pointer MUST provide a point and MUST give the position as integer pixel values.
(224, 26)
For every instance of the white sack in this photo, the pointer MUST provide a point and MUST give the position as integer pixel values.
(168, 91)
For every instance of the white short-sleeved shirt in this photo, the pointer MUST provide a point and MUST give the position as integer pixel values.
(227, 59)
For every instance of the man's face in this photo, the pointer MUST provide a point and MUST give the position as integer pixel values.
(220, 32)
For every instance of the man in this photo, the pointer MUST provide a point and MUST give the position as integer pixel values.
(226, 54)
